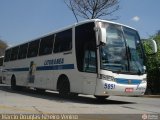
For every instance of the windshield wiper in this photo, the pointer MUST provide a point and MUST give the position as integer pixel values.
(125, 72)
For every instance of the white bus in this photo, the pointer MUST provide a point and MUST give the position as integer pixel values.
(1, 68)
(94, 57)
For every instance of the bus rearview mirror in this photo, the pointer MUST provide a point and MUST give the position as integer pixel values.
(103, 35)
(150, 47)
(154, 46)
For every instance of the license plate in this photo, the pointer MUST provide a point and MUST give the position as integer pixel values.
(128, 90)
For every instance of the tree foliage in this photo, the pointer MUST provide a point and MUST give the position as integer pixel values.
(153, 66)
(158, 33)
(3, 46)
(90, 9)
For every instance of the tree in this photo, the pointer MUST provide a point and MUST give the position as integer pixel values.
(3, 46)
(158, 33)
(153, 67)
(91, 9)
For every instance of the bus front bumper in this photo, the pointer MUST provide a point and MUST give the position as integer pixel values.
(106, 88)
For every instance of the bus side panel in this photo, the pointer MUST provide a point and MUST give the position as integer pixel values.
(15, 68)
(68, 68)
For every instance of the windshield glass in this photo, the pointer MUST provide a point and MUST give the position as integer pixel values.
(123, 50)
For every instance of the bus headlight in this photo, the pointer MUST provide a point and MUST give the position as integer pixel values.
(144, 80)
(106, 77)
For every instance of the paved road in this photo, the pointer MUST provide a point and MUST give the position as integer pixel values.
(32, 102)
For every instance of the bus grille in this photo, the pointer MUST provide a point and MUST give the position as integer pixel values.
(128, 81)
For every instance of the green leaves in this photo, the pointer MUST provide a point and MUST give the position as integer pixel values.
(153, 66)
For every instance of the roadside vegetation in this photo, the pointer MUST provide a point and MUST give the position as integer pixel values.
(3, 46)
(153, 66)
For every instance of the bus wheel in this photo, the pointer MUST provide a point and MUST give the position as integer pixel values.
(73, 94)
(101, 98)
(13, 83)
(63, 86)
(40, 90)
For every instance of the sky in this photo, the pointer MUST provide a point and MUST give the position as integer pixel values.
(24, 20)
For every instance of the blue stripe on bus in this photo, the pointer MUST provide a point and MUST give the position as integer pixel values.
(18, 69)
(41, 68)
(56, 67)
(128, 81)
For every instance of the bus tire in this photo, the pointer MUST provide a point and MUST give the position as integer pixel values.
(13, 83)
(101, 98)
(40, 90)
(73, 94)
(63, 86)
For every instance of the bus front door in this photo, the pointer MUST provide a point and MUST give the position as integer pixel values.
(89, 75)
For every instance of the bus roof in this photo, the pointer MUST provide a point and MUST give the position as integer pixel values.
(100, 20)
(76, 24)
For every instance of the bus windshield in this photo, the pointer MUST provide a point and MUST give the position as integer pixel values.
(123, 51)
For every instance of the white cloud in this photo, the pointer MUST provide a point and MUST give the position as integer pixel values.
(136, 18)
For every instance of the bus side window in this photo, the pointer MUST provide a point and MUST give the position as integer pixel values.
(33, 49)
(14, 53)
(23, 51)
(63, 41)
(46, 45)
(1, 61)
(7, 55)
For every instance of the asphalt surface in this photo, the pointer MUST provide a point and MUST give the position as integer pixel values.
(82, 107)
